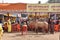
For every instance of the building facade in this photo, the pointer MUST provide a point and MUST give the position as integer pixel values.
(54, 1)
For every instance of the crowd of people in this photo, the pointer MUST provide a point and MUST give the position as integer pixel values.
(54, 25)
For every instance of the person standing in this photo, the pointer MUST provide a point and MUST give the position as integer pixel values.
(52, 26)
(24, 28)
(56, 26)
(49, 22)
(59, 25)
(1, 32)
(9, 25)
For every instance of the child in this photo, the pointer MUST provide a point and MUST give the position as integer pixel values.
(5, 27)
(24, 28)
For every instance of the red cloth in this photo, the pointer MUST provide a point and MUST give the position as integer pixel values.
(56, 27)
(18, 27)
(14, 27)
(24, 28)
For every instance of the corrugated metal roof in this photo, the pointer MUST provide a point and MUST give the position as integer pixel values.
(12, 6)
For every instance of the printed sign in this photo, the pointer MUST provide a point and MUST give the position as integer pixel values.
(37, 7)
(53, 7)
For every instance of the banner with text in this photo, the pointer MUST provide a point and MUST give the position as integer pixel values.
(53, 7)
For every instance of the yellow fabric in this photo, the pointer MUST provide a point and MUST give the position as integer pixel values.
(1, 27)
(1, 32)
(9, 26)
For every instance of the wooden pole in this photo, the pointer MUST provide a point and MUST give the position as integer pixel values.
(8, 15)
(35, 16)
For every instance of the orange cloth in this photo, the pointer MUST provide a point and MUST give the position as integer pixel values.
(56, 27)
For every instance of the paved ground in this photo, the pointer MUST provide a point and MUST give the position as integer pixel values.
(30, 36)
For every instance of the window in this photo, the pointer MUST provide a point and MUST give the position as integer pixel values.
(23, 15)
